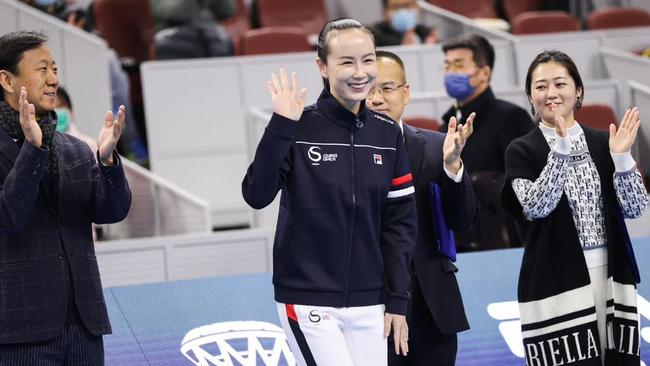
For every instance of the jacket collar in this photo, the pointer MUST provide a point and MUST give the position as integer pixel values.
(477, 105)
(337, 112)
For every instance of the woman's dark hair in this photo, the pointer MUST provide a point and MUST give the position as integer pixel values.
(562, 59)
(331, 28)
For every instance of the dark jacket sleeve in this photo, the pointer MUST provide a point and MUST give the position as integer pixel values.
(111, 194)
(19, 190)
(458, 202)
(268, 172)
(398, 235)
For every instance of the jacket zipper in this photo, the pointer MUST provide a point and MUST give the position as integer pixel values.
(354, 206)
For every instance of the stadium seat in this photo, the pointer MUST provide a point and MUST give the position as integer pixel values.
(607, 18)
(512, 8)
(423, 122)
(468, 8)
(531, 22)
(308, 15)
(237, 25)
(274, 40)
(597, 116)
(127, 26)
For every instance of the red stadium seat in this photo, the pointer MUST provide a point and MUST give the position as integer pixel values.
(423, 122)
(544, 22)
(237, 25)
(618, 18)
(127, 26)
(513, 8)
(597, 116)
(468, 8)
(274, 40)
(309, 15)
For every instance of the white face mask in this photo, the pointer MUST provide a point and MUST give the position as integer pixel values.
(404, 20)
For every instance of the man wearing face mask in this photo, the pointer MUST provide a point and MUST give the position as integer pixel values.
(469, 61)
(400, 25)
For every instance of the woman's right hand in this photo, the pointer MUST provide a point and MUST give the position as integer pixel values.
(284, 96)
(558, 121)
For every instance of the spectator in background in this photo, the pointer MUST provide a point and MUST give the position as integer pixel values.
(190, 29)
(53, 7)
(65, 117)
(132, 144)
(400, 25)
(170, 13)
(469, 61)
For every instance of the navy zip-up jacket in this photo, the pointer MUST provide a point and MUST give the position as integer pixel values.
(347, 222)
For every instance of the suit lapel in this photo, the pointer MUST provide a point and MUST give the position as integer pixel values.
(414, 146)
(8, 147)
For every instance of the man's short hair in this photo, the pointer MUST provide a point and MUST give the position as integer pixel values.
(392, 56)
(12, 47)
(482, 50)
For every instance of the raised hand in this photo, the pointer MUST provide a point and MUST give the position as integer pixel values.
(621, 140)
(284, 96)
(27, 117)
(398, 325)
(558, 121)
(455, 140)
(109, 135)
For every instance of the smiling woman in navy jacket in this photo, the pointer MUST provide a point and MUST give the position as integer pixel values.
(347, 224)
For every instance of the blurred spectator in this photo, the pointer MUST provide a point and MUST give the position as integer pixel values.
(132, 143)
(400, 25)
(171, 13)
(65, 119)
(190, 29)
(53, 7)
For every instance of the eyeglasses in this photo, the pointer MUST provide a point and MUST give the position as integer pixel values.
(387, 90)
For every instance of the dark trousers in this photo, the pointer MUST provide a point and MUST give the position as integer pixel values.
(427, 345)
(73, 347)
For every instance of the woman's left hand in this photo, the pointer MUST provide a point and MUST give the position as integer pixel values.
(397, 323)
(621, 140)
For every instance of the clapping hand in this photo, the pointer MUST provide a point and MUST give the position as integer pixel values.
(284, 96)
(558, 122)
(27, 117)
(455, 140)
(621, 140)
(109, 135)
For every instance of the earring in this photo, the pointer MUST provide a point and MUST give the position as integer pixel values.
(578, 103)
(532, 110)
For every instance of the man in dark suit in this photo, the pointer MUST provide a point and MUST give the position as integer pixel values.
(436, 312)
(469, 61)
(52, 309)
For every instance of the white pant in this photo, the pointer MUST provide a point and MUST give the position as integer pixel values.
(329, 336)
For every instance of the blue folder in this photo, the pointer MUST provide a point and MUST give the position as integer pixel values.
(446, 242)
